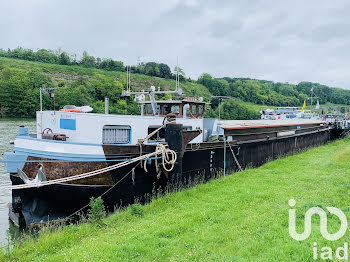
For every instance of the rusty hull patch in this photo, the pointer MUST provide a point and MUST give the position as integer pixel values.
(188, 136)
(55, 170)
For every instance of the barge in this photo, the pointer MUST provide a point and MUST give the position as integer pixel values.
(68, 144)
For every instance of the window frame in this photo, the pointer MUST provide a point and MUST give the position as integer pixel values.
(116, 127)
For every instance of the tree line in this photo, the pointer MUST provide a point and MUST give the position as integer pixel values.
(19, 89)
(63, 58)
(270, 93)
(19, 93)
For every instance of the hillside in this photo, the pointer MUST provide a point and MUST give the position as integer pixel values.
(73, 72)
(242, 217)
(20, 81)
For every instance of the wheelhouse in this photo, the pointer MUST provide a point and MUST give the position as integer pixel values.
(182, 108)
(287, 110)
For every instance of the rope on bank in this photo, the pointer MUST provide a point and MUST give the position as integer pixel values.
(168, 158)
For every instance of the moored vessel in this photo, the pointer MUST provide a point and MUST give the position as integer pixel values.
(75, 155)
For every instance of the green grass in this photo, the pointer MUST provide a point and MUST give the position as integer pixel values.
(242, 217)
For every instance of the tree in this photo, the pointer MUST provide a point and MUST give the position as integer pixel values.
(164, 71)
(180, 71)
(102, 86)
(151, 69)
(205, 79)
(87, 61)
(64, 59)
(236, 110)
(19, 91)
(46, 56)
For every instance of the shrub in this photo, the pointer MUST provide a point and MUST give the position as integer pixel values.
(97, 211)
(137, 210)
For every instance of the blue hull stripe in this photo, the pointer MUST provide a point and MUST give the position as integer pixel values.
(56, 141)
(60, 156)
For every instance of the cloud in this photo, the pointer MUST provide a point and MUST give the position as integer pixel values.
(275, 40)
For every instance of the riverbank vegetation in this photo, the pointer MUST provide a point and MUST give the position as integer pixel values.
(241, 217)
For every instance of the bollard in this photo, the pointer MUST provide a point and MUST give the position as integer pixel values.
(174, 138)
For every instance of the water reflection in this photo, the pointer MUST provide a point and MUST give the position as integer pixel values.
(8, 132)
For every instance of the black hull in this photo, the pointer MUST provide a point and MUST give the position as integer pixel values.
(199, 162)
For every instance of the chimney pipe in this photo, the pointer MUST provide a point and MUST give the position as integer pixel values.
(106, 105)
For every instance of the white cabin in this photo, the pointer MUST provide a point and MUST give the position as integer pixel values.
(108, 129)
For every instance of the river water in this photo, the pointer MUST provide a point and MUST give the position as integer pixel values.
(8, 132)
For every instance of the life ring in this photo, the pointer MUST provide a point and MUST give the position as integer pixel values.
(72, 110)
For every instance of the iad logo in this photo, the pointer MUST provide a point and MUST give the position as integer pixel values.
(326, 252)
(323, 225)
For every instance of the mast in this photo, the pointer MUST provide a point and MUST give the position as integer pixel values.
(128, 78)
(151, 92)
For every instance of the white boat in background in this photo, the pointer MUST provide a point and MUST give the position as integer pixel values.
(282, 113)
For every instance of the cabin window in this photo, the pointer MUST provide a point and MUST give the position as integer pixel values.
(116, 134)
(175, 109)
(166, 109)
(160, 135)
(149, 109)
(194, 110)
(200, 109)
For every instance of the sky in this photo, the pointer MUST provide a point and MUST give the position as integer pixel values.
(285, 41)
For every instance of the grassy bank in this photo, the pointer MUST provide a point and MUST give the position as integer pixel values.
(242, 217)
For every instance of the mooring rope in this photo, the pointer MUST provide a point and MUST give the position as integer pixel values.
(141, 141)
(77, 177)
(104, 193)
(234, 156)
(67, 161)
(79, 210)
(168, 158)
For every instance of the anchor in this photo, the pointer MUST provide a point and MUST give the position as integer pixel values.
(40, 176)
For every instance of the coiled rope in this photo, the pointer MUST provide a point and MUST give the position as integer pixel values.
(168, 158)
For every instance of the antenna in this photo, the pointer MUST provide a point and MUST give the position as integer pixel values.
(312, 96)
(177, 74)
(128, 78)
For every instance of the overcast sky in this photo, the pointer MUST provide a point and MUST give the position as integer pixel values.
(287, 41)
